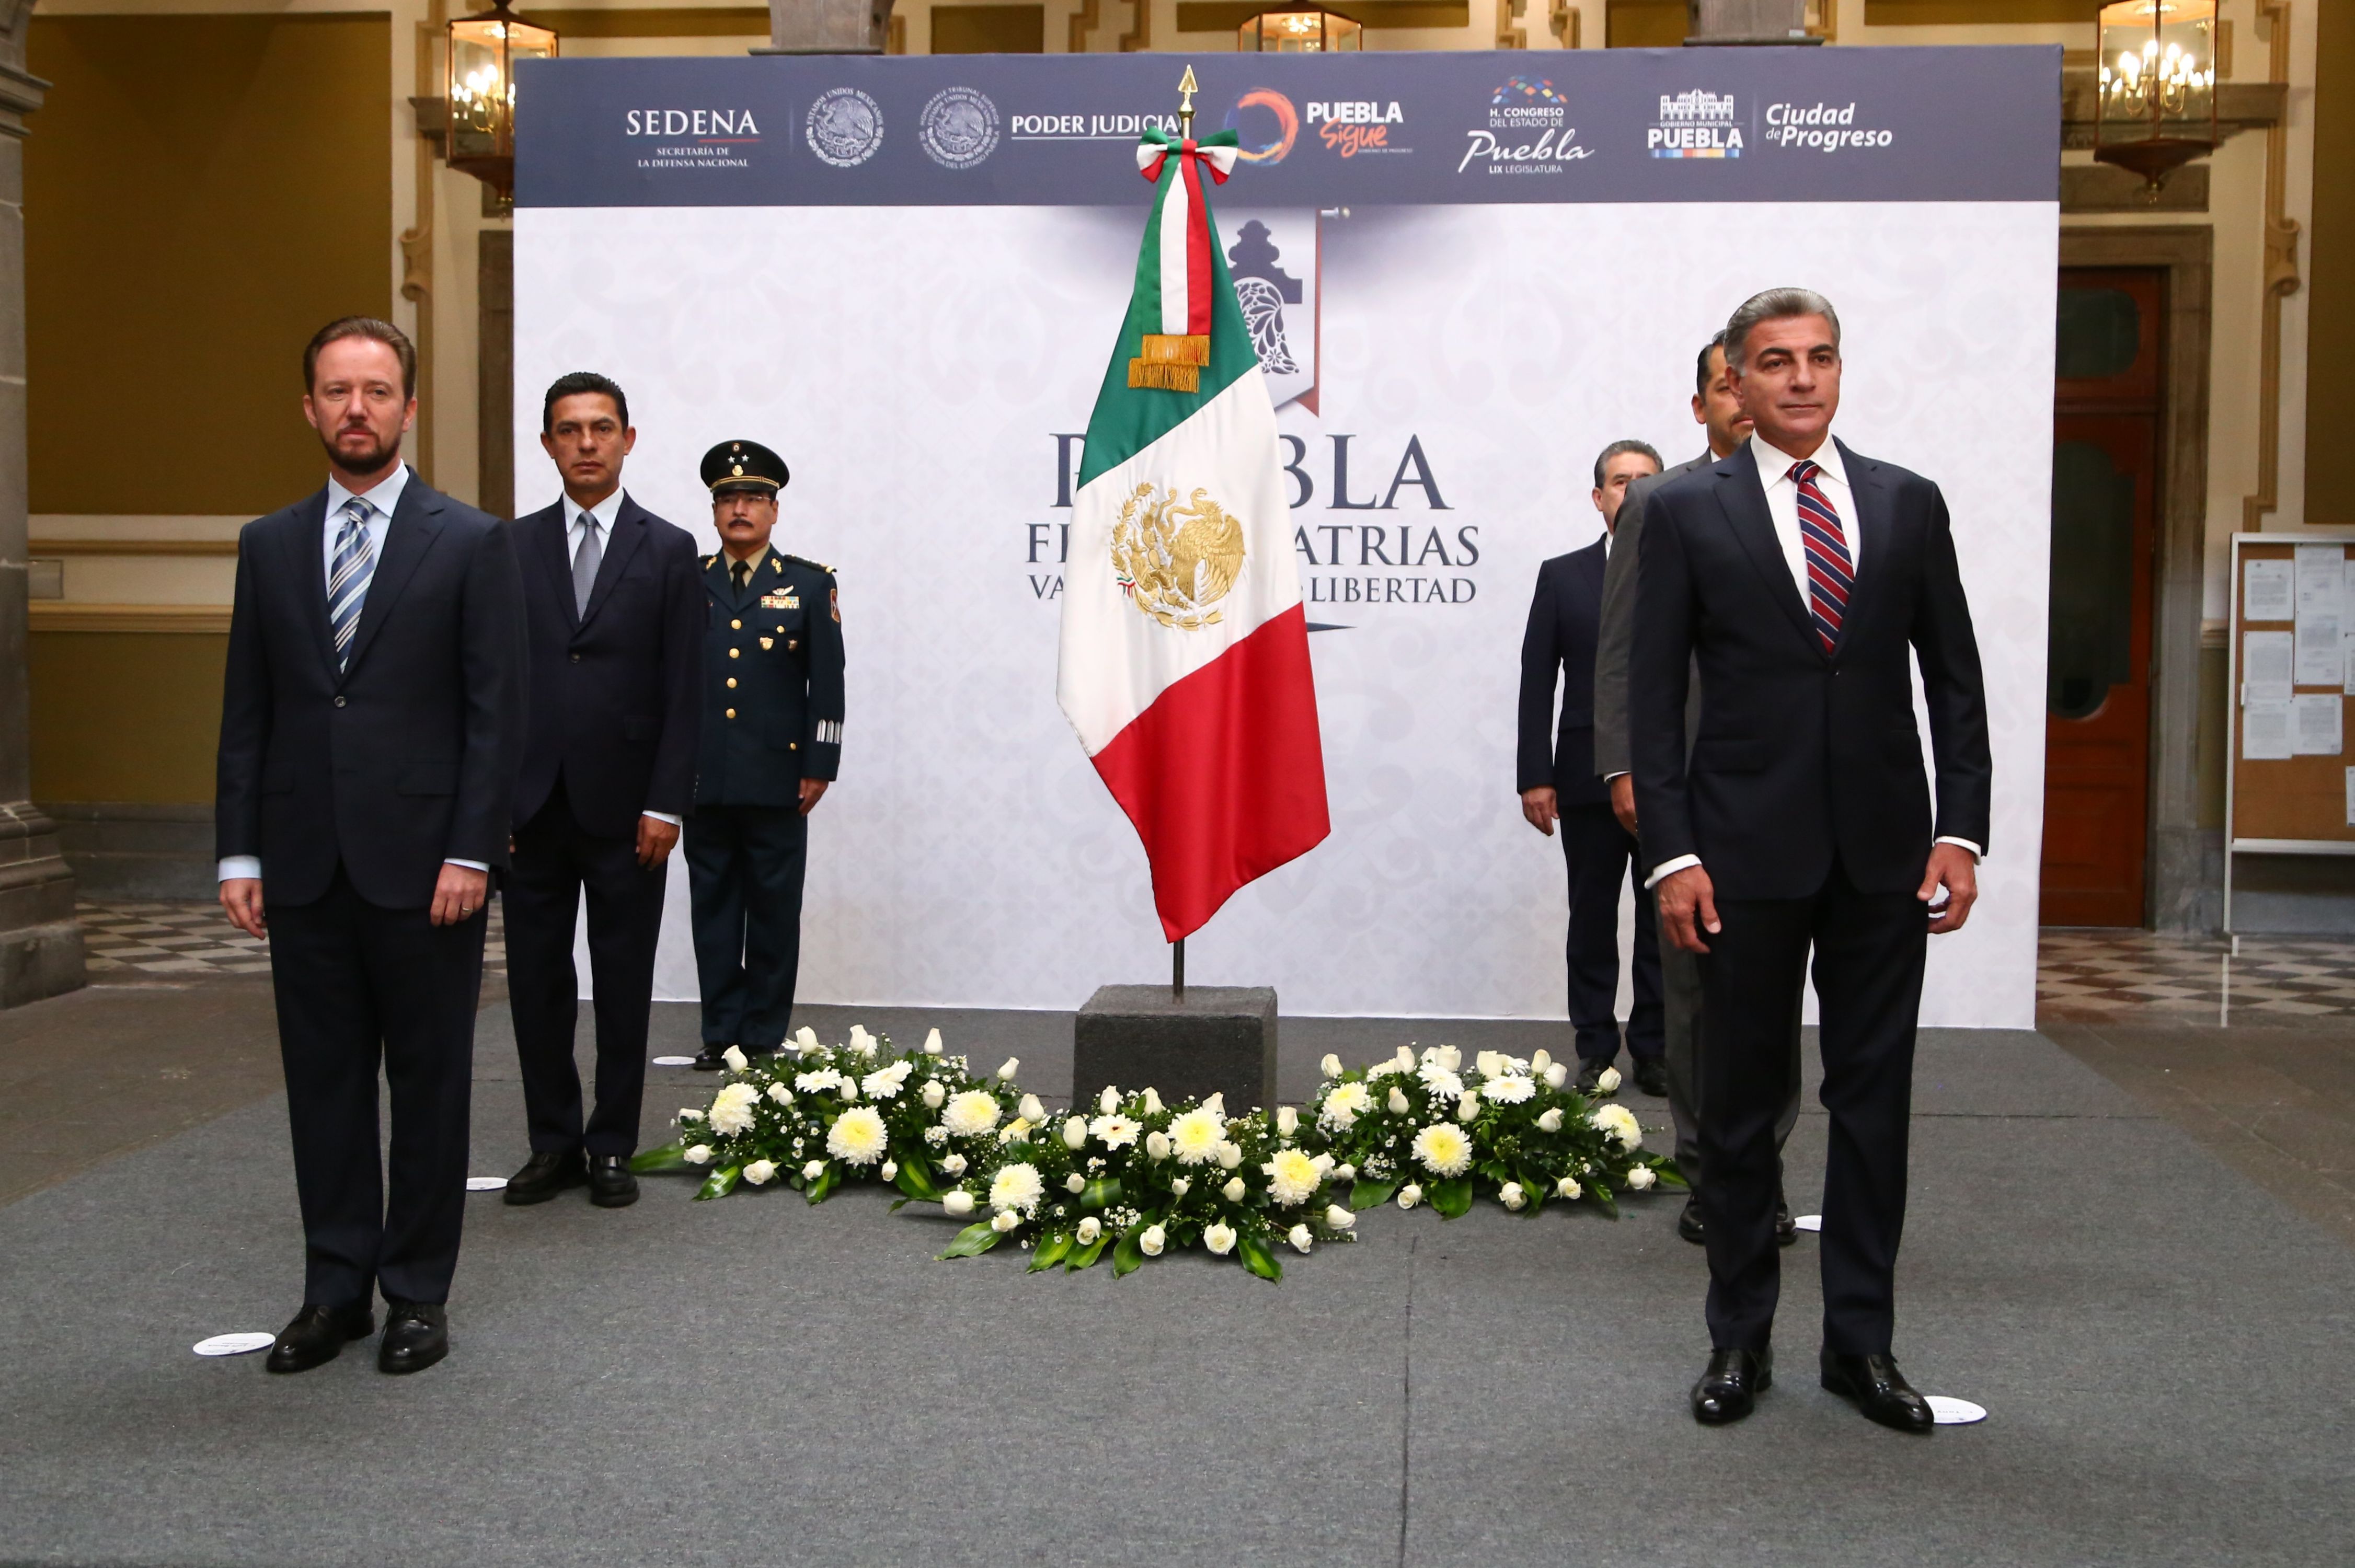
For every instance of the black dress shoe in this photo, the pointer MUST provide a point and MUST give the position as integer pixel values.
(1652, 1076)
(1590, 1070)
(1690, 1226)
(611, 1185)
(1879, 1390)
(416, 1335)
(1786, 1229)
(711, 1058)
(1729, 1386)
(318, 1335)
(544, 1175)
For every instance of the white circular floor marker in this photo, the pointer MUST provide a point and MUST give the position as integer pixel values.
(1808, 1223)
(674, 1061)
(486, 1183)
(1955, 1411)
(234, 1344)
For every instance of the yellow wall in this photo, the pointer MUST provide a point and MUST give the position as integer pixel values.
(125, 716)
(201, 194)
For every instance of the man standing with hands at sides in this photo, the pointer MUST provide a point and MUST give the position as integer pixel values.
(616, 636)
(1558, 784)
(1799, 573)
(371, 721)
(772, 743)
(1718, 411)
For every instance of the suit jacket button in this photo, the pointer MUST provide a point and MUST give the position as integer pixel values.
(339, 702)
(576, 658)
(731, 713)
(731, 683)
(793, 745)
(735, 653)
(735, 626)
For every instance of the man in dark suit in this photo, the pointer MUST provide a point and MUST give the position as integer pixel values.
(1716, 408)
(1806, 580)
(371, 720)
(772, 743)
(1558, 784)
(616, 636)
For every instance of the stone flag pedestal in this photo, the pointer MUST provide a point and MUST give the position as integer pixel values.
(1218, 1039)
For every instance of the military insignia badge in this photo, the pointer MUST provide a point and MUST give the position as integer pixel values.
(1176, 560)
(781, 601)
(834, 602)
(768, 642)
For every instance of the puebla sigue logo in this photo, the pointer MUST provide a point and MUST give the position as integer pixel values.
(1266, 123)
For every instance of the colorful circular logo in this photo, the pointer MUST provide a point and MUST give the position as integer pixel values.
(845, 127)
(959, 127)
(1254, 115)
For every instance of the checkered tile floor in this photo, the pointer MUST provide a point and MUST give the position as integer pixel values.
(185, 940)
(2091, 976)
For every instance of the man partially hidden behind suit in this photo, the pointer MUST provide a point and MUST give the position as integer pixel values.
(1558, 784)
(1806, 580)
(371, 720)
(616, 633)
(1716, 408)
(772, 741)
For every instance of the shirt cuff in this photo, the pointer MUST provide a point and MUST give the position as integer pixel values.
(662, 816)
(1976, 853)
(1620, 775)
(236, 867)
(470, 865)
(1670, 868)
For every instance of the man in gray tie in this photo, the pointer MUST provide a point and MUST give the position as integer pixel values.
(1716, 407)
(616, 636)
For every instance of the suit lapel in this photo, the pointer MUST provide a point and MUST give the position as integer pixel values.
(1868, 499)
(1743, 500)
(415, 523)
(629, 531)
(310, 544)
(546, 544)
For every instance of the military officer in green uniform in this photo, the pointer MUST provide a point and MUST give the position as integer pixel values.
(771, 740)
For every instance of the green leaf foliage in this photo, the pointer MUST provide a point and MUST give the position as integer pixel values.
(1365, 1194)
(1452, 1198)
(1127, 1257)
(1099, 1193)
(1050, 1252)
(719, 1184)
(973, 1240)
(670, 1156)
(1259, 1259)
(1085, 1257)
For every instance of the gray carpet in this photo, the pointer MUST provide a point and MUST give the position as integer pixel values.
(2163, 1349)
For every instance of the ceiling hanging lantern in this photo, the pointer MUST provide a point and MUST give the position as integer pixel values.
(483, 52)
(1300, 33)
(2155, 110)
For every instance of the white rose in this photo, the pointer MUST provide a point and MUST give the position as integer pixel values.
(814, 1170)
(1075, 1132)
(1231, 1155)
(1409, 1196)
(1467, 1109)
(759, 1172)
(959, 1202)
(1181, 1186)
(1405, 1058)
(699, 1154)
(1005, 1221)
(1340, 1219)
(1550, 1121)
(1089, 1229)
(1219, 1239)
(1557, 1075)
(780, 1094)
(1608, 1082)
(1013, 1065)
(1075, 1183)
(806, 1038)
(932, 1043)
(1152, 1101)
(1331, 1066)
(953, 1165)
(1030, 1111)
(735, 1058)
(934, 1095)
(1109, 1101)
(1641, 1179)
(1511, 1195)
(891, 1170)
(1399, 1106)
(1299, 1237)
(1542, 1060)
(1345, 1173)
(1151, 1243)
(1567, 1187)
(1234, 1191)
(1157, 1145)
(689, 1113)
(1287, 1121)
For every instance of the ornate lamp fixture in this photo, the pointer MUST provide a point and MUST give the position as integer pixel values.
(1300, 33)
(2155, 110)
(484, 52)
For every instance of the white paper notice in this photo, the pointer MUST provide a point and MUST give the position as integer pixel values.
(2321, 657)
(2268, 596)
(2347, 653)
(2265, 665)
(2316, 724)
(2321, 579)
(2351, 798)
(2264, 731)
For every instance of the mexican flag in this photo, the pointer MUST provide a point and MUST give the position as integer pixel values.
(1185, 650)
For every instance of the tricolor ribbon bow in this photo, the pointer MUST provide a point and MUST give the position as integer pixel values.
(1178, 263)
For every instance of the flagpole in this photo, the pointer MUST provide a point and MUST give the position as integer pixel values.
(1185, 89)
(1178, 970)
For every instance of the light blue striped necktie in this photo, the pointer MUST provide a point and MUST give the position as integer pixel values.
(347, 585)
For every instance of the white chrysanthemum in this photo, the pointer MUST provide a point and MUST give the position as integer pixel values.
(1400, 1104)
(1567, 1187)
(1197, 1135)
(760, 1172)
(733, 1107)
(1299, 1237)
(1017, 1131)
(1017, 1189)
(699, 1154)
(1549, 1120)
(1089, 1229)
(735, 1058)
(857, 1137)
(1291, 1178)
(1343, 1106)
(974, 1110)
(1340, 1219)
(1443, 1149)
(817, 1079)
(1441, 1080)
(1512, 1196)
(1219, 1239)
(1620, 1123)
(1153, 1240)
(1331, 1066)
(1409, 1196)
(1508, 1089)
(885, 1082)
(1640, 1179)
(953, 1165)
(1115, 1131)
(958, 1203)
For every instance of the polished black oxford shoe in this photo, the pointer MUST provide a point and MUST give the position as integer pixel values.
(1877, 1388)
(1731, 1384)
(1690, 1226)
(1786, 1229)
(544, 1175)
(711, 1058)
(1591, 1069)
(318, 1335)
(1652, 1076)
(416, 1335)
(611, 1185)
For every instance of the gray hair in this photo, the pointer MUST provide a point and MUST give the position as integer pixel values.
(1774, 305)
(1621, 449)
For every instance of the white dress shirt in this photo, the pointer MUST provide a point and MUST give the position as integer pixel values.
(381, 499)
(577, 521)
(1783, 507)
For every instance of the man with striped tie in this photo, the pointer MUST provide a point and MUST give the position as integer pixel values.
(1805, 580)
(371, 724)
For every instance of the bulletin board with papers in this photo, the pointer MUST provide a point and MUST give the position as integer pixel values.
(2289, 781)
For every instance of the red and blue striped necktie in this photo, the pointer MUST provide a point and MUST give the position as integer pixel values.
(1830, 573)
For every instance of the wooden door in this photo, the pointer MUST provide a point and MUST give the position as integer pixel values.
(2106, 465)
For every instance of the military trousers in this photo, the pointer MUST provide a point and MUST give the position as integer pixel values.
(744, 865)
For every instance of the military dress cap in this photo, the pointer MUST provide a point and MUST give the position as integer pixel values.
(744, 465)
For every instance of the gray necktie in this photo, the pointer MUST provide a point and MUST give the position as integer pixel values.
(584, 564)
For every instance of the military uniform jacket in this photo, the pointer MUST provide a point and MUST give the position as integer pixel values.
(771, 681)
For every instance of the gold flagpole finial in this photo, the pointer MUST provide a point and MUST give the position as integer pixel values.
(1187, 88)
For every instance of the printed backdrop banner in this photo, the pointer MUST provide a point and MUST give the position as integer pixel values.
(1463, 278)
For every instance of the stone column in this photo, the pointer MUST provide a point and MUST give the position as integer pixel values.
(1749, 22)
(40, 943)
(824, 26)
